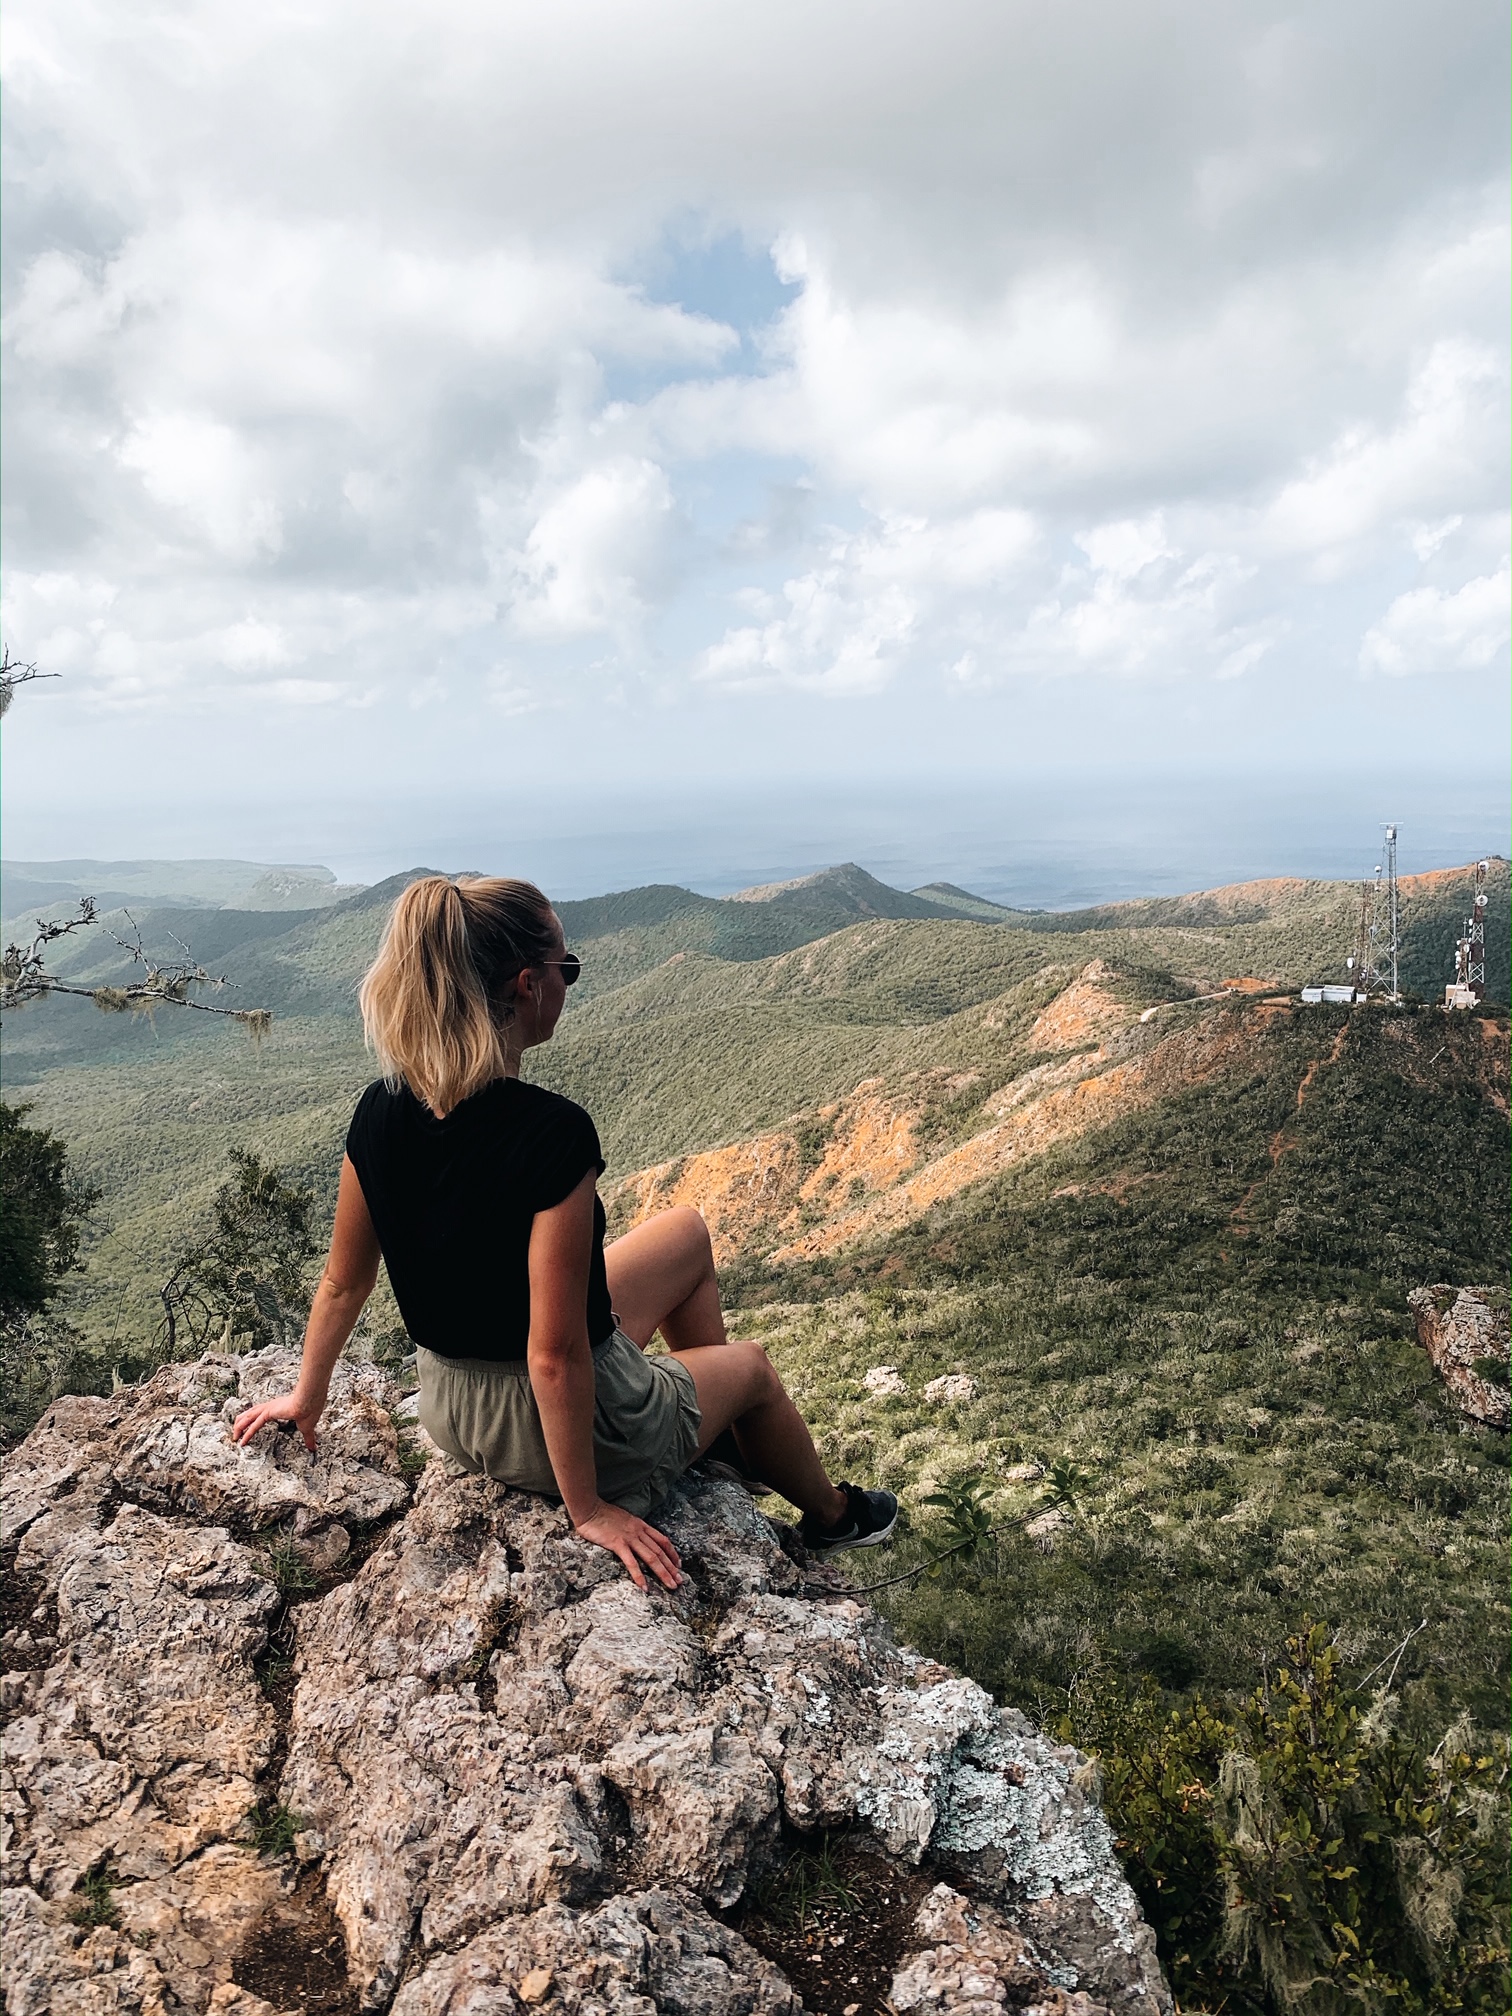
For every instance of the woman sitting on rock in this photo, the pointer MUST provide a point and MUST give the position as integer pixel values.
(480, 1193)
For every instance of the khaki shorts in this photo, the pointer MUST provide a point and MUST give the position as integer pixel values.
(645, 1421)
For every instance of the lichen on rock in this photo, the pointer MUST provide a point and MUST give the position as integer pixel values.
(496, 1759)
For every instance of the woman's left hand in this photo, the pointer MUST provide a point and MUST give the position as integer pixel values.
(634, 1542)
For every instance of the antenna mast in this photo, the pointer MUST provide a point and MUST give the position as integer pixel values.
(1391, 898)
(1469, 983)
(1380, 918)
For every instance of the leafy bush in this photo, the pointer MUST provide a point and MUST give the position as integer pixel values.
(42, 1205)
(1302, 1855)
(968, 1514)
(248, 1277)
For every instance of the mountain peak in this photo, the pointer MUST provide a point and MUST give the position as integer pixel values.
(846, 890)
(820, 878)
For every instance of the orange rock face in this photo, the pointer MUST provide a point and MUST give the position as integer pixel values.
(1081, 1014)
(874, 1173)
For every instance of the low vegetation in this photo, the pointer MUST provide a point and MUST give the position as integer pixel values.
(273, 1829)
(1195, 1319)
(1302, 1850)
(94, 1898)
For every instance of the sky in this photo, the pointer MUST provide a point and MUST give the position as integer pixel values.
(497, 415)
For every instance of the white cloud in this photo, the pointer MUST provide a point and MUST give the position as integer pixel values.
(1431, 630)
(1118, 342)
(590, 551)
(1438, 451)
(207, 477)
(1427, 539)
(1146, 610)
(251, 643)
(877, 598)
(904, 597)
(1124, 550)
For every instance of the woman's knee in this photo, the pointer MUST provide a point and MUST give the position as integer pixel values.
(760, 1374)
(691, 1231)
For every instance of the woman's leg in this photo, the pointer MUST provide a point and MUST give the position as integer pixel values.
(661, 1277)
(738, 1388)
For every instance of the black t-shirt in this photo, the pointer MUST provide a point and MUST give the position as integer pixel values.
(452, 1203)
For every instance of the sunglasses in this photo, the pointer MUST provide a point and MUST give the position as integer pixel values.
(570, 965)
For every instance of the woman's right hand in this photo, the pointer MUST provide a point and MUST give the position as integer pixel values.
(634, 1542)
(293, 1408)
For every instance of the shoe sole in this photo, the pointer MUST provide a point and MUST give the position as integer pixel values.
(848, 1546)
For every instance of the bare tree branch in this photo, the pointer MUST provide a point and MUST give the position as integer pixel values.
(16, 672)
(24, 976)
(23, 969)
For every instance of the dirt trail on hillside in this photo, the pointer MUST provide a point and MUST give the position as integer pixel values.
(1284, 1138)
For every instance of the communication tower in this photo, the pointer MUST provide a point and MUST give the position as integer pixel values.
(1372, 966)
(1469, 983)
(1361, 963)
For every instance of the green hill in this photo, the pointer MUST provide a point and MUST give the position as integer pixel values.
(964, 904)
(699, 1021)
(1204, 1305)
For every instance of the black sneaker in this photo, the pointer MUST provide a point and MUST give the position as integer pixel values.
(870, 1517)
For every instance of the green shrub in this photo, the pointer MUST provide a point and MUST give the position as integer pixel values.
(248, 1277)
(968, 1515)
(288, 1569)
(1304, 1855)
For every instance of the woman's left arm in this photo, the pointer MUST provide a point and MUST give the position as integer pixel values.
(350, 1271)
(562, 1379)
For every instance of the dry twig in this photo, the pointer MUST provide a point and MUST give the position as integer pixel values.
(16, 672)
(165, 983)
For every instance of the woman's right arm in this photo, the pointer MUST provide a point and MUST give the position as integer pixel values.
(561, 1377)
(350, 1271)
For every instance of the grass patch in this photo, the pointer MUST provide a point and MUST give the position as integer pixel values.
(288, 1569)
(413, 1453)
(273, 1675)
(273, 1829)
(94, 1899)
(811, 1880)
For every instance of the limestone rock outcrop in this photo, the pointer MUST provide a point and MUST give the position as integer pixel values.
(1464, 1332)
(292, 1733)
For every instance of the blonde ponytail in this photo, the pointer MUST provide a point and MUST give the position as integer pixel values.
(435, 1003)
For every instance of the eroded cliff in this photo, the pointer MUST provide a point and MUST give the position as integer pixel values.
(1464, 1332)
